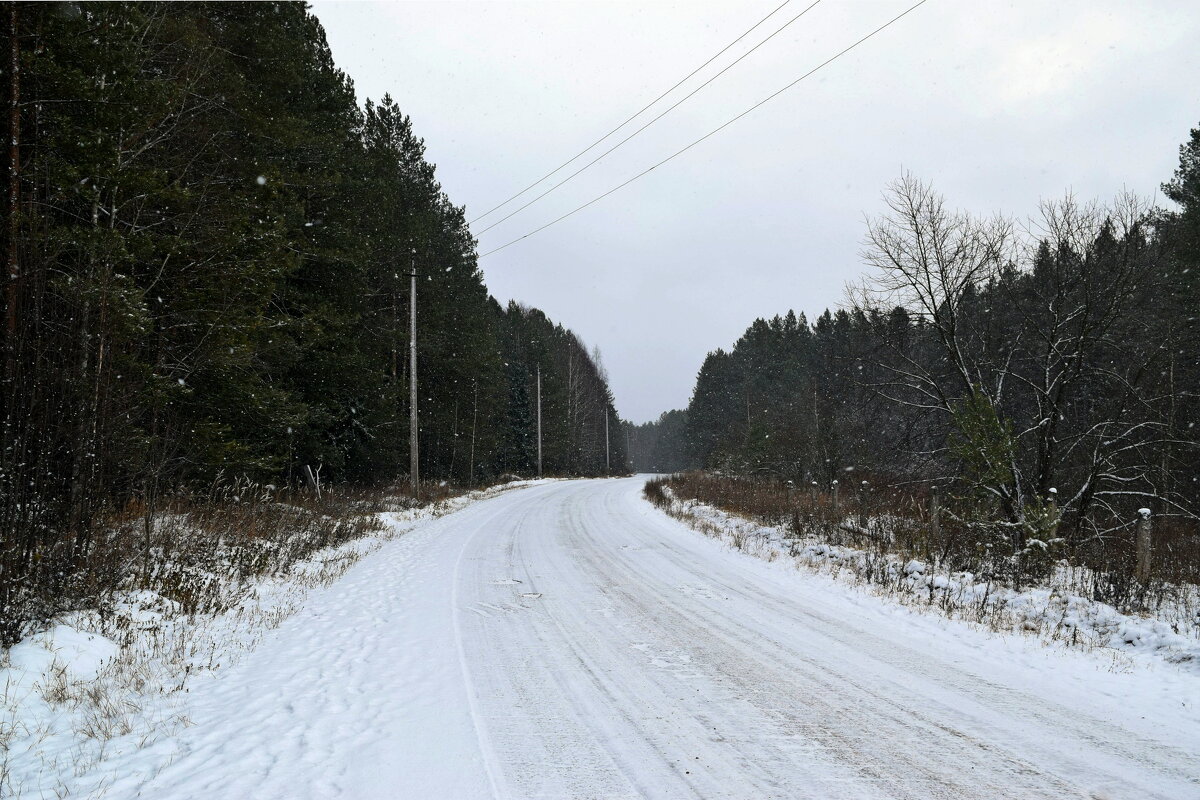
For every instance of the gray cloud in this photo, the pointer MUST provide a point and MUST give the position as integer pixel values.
(997, 103)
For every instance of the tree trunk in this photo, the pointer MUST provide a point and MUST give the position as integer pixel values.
(13, 268)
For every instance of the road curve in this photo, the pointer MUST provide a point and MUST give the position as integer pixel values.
(612, 653)
(568, 640)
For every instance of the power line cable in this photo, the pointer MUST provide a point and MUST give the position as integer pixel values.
(669, 109)
(680, 152)
(635, 116)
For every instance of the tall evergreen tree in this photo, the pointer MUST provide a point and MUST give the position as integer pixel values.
(207, 254)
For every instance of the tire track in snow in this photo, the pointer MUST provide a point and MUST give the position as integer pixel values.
(490, 761)
(850, 713)
(971, 689)
(570, 641)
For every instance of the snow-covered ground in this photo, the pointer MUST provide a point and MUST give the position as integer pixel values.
(571, 641)
(1053, 612)
(100, 692)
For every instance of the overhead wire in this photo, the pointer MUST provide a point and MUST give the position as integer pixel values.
(637, 114)
(668, 110)
(714, 131)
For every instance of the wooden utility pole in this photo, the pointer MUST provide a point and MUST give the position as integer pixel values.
(539, 418)
(474, 425)
(414, 465)
(607, 459)
(1142, 568)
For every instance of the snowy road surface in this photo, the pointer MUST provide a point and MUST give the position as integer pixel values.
(569, 641)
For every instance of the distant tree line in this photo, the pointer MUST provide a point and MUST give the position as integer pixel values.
(207, 246)
(1045, 375)
(659, 446)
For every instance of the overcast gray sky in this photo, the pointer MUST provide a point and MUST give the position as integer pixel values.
(997, 104)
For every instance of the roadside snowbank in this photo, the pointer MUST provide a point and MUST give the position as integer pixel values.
(1047, 613)
(97, 685)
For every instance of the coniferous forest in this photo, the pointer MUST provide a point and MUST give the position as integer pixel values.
(1045, 374)
(293, 505)
(207, 245)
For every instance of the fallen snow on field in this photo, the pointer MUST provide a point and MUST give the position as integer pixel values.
(74, 703)
(1050, 614)
(571, 641)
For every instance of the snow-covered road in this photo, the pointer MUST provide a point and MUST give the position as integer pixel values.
(567, 640)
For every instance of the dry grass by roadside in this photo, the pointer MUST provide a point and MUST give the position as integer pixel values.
(895, 520)
(887, 544)
(176, 595)
(192, 548)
